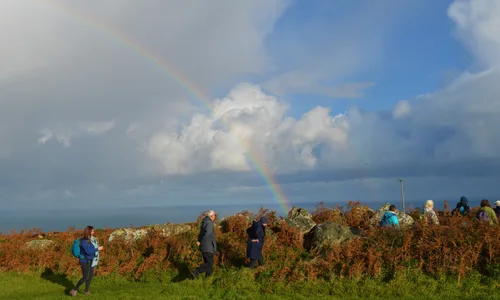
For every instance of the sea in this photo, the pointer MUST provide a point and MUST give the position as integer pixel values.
(120, 217)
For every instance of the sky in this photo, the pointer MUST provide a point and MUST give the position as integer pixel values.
(158, 103)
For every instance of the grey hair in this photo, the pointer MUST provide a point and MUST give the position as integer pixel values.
(429, 203)
(210, 213)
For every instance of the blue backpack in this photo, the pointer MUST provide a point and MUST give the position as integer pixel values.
(75, 248)
(384, 221)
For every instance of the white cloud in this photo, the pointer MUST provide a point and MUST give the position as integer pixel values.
(64, 133)
(401, 109)
(478, 26)
(97, 127)
(62, 137)
(442, 127)
(57, 87)
(69, 61)
(247, 125)
(80, 74)
(452, 125)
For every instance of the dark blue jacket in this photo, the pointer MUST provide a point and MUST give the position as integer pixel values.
(463, 207)
(497, 211)
(87, 250)
(207, 238)
(256, 232)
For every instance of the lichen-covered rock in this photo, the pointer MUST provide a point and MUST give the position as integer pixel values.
(327, 233)
(170, 229)
(297, 212)
(247, 217)
(405, 220)
(128, 234)
(135, 234)
(39, 244)
(301, 219)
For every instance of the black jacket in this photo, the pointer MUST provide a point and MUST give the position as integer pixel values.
(256, 232)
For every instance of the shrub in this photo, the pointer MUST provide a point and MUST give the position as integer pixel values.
(459, 246)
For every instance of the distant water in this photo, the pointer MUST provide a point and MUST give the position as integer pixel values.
(61, 220)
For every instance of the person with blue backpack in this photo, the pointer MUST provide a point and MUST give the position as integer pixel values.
(390, 219)
(486, 213)
(87, 251)
(462, 208)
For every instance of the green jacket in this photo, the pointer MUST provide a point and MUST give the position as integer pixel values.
(492, 217)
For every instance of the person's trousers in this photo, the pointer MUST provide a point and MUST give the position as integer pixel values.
(253, 262)
(207, 265)
(88, 273)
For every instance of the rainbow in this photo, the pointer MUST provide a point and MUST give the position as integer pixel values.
(253, 156)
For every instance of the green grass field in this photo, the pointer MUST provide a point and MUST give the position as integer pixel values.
(240, 284)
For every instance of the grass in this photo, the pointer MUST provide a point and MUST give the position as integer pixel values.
(242, 284)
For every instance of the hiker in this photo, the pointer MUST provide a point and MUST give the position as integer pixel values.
(497, 208)
(430, 215)
(390, 218)
(208, 245)
(88, 252)
(486, 213)
(462, 208)
(256, 235)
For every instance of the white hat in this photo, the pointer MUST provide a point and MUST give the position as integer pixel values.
(497, 203)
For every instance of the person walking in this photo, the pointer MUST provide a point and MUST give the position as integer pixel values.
(256, 235)
(88, 253)
(486, 213)
(430, 215)
(497, 208)
(390, 218)
(208, 245)
(462, 208)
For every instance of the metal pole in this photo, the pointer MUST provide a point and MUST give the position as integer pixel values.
(402, 195)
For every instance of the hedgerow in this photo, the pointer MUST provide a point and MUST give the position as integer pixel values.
(458, 247)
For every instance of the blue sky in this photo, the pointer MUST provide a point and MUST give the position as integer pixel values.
(417, 53)
(335, 100)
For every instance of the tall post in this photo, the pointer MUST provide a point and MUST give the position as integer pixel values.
(402, 195)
